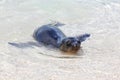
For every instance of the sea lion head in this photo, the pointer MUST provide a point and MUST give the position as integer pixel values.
(70, 44)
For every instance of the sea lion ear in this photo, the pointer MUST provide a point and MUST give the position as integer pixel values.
(83, 37)
(68, 41)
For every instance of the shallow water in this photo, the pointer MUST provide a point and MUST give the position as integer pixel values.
(100, 59)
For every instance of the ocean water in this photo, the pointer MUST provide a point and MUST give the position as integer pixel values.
(100, 59)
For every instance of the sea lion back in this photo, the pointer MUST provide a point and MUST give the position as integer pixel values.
(48, 34)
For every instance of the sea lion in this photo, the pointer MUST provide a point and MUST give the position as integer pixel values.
(50, 34)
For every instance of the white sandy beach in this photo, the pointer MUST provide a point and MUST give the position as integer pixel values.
(100, 55)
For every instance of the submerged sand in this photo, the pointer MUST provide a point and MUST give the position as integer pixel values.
(100, 55)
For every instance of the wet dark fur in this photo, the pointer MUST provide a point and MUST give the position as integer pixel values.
(51, 35)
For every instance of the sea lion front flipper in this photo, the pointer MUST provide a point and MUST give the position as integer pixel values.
(83, 37)
(24, 45)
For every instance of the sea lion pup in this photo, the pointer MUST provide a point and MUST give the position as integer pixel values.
(50, 34)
